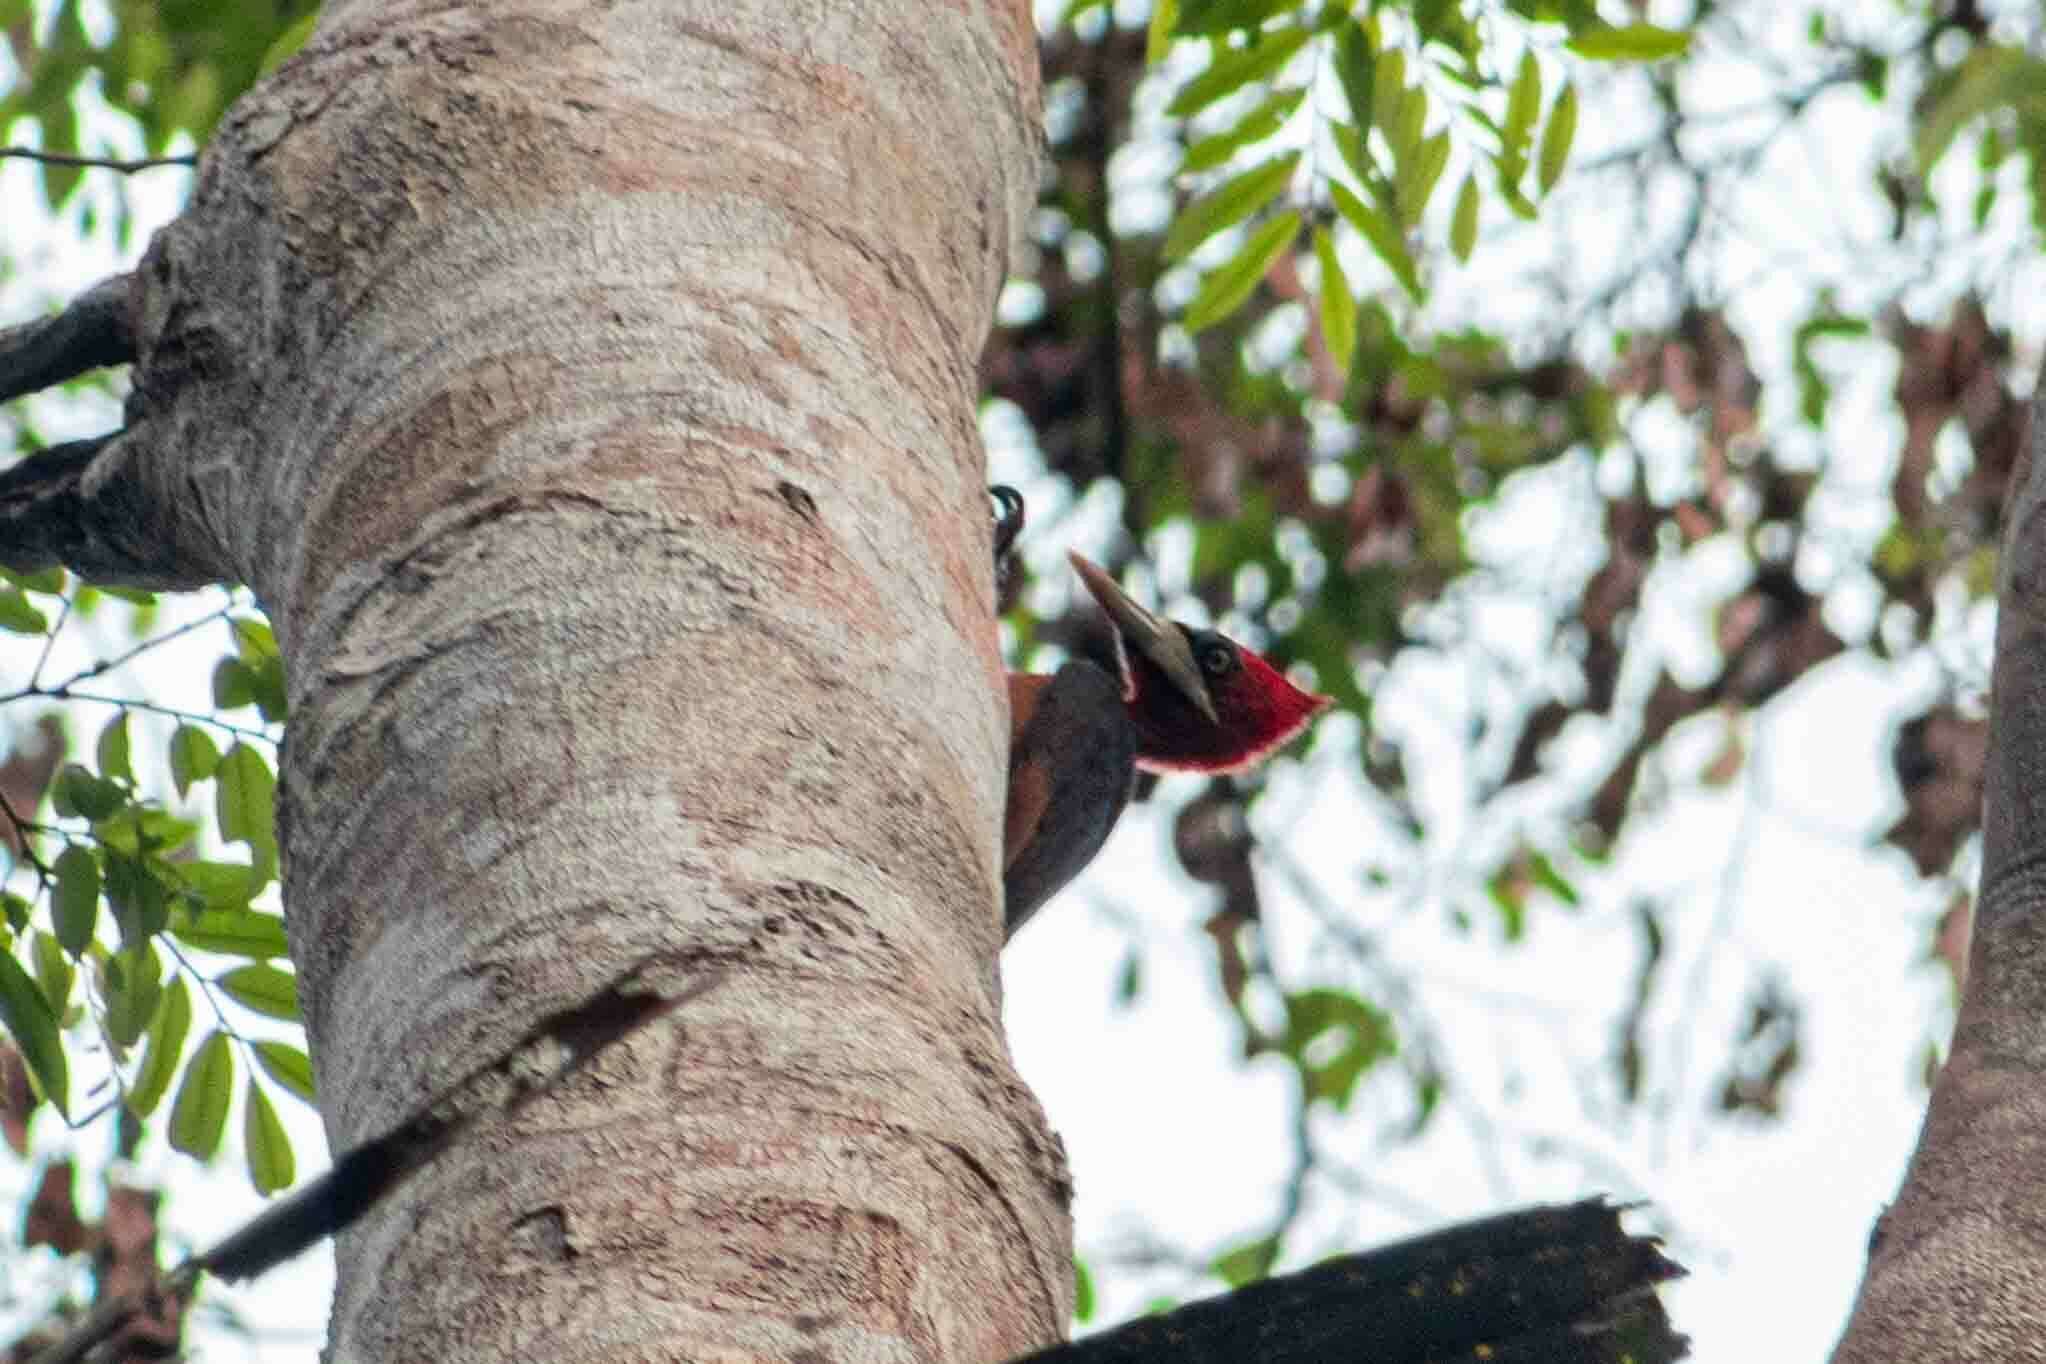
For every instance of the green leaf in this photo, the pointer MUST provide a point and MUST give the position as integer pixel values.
(1630, 43)
(19, 615)
(1511, 901)
(49, 581)
(1356, 71)
(1235, 68)
(234, 684)
(266, 689)
(216, 886)
(1385, 239)
(79, 792)
(1255, 126)
(54, 973)
(199, 1115)
(244, 802)
(1129, 981)
(1334, 1037)
(134, 988)
(264, 665)
(33, 1025)
(1510, 192)
(167, 1033)
(287, 44)
(1083, 1291)
(1229, 203)
(1388, 88)
(1992, 77)
(1523, 102)
(1556, 139)
(112, 750)
(1226, 288)
(288, 1066)
(265, 1142)
(143, 829)
(1548, 878)
(1463, 227)
(140, 900)
(1338, 305)
(1247, 1263)
(193, 757)
(1356, 152)
(1418, 177)
(1158, 38)
(232, 932)
(263, 988)
(1404, 136)
(74, 902)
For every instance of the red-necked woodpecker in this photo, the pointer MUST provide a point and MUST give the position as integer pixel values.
(1183, 700)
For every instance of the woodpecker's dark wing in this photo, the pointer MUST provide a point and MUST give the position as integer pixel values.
(1072, 757)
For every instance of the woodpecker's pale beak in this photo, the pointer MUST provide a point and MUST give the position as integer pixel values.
(1159, 640)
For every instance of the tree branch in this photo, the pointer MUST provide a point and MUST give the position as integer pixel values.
(1957, 1266)
(94, 331)
(1549, 1285)
(126, 167)
(84, 505)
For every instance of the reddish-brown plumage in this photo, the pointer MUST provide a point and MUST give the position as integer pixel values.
(1186, 700)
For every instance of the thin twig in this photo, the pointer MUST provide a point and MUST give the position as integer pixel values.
(155, 708)
(126, 167)
(108, 665)
(50, 640)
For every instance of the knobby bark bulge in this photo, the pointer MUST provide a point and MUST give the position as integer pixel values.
(587, 391)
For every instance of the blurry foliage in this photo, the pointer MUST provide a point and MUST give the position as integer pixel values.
(1231, 317)
(121, 879)
(1242, 347)
(172, 65)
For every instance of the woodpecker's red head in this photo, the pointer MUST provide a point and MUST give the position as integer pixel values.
(1201, 702)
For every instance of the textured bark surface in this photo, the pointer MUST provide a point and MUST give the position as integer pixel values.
(588, 391)
(1957, 1267)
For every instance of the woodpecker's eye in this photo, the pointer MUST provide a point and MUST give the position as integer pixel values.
(1217, 658)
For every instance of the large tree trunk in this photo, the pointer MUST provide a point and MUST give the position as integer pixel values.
(587, 392)
(1957, 1267)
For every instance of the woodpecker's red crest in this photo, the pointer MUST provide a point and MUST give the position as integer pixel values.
(1200, 701)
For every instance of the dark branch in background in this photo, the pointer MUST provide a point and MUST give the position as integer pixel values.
(128, 167)
(87, 505)
(81, 506)
(1556, 1285)
(555, 1049)
(92, 332)
(46, 515)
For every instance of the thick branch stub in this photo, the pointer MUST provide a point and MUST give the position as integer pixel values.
(82, 506)
(94, 331)
(1551, 1285)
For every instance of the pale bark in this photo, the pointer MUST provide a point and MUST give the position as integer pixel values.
(587, 392)
(1957, 1267)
